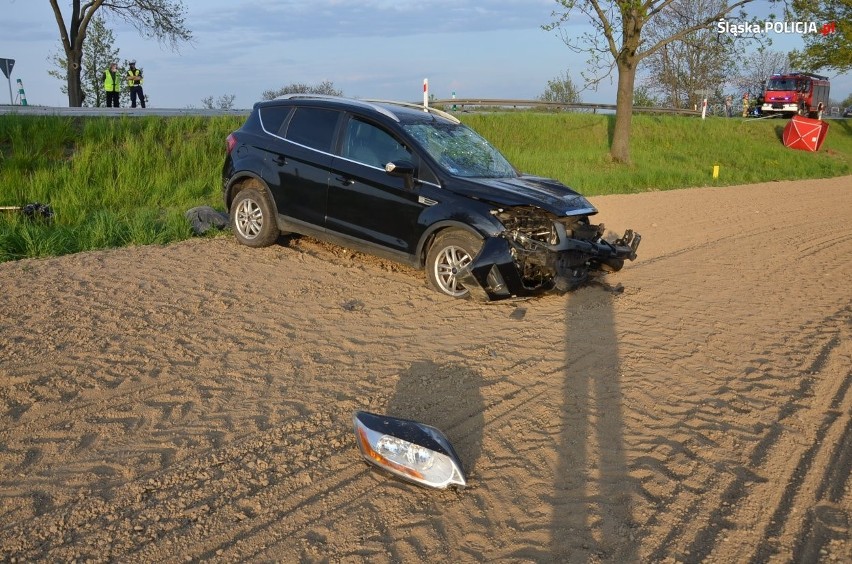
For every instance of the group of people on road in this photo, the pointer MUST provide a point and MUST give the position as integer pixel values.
(112, 85)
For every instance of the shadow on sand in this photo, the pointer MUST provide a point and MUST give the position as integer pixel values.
(592, 519)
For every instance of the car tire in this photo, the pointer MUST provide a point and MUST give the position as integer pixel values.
(450, 252)
(253, 218)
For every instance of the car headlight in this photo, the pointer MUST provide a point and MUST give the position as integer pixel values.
(413, 451)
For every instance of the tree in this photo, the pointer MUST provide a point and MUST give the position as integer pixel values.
(701, 60)
(561, 89)
(225, 102)
(832, 48)
(753, 73)
(643, 98)
(98, 53)
(618, 26)
(160, 19)
(326, 87)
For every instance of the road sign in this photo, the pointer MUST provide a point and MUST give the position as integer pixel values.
(6, 66)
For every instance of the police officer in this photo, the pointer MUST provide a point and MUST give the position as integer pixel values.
(112, 85)
(134, 81)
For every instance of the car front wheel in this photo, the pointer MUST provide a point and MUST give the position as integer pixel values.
(252, 218)
(450, 253)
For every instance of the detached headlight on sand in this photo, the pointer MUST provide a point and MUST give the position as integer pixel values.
(411, 450)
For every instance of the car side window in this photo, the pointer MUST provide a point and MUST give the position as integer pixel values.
(313, 127)
(425, 174)
(370, 145)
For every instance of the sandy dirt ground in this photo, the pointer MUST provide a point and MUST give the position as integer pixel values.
(193, 402)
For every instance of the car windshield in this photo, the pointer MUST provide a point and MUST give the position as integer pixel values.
(460, 150)
(785, 84)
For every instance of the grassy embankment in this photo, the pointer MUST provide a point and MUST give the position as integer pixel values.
(128, 181)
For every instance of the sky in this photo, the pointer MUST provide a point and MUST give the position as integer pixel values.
(367, 48)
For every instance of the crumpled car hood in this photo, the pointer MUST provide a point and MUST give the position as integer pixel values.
(545, 193)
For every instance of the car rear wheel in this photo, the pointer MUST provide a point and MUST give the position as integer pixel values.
(449, 254)
(252, 218)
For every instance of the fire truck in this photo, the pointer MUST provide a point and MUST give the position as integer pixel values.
(800, 93)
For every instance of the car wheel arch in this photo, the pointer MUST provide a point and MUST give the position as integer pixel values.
(436, 229)
(246, 180)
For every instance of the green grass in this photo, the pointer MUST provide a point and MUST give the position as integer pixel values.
(110, 181)
(128, 181)
(668, 152)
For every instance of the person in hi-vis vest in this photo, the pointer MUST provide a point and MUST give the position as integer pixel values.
(112, 85)
(134, 81)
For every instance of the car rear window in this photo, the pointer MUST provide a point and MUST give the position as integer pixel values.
(313, 127)
(272, 118)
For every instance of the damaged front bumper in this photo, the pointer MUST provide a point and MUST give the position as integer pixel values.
(501, 268)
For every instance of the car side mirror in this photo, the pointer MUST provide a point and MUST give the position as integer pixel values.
(402, 169)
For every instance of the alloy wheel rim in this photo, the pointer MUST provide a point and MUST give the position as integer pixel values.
(450, 261)
(249, 219)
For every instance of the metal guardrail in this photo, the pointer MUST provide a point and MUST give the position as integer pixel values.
(117, 112)
(510, 103)
(717, 109)
(460, 103)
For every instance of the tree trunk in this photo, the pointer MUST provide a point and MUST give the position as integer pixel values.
(620, 148)
(75, 90)
(626, 61)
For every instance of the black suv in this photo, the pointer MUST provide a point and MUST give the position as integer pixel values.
(415, 185)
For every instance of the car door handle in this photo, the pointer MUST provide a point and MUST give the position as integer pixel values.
(344, 180)
(279, 160)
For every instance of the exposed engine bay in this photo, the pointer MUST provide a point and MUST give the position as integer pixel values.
(539, 252)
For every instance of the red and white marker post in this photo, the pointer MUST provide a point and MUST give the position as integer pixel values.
(425, 94)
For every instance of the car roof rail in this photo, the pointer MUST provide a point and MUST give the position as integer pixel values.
(369, 103)
(436, 111)
(356, 101)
